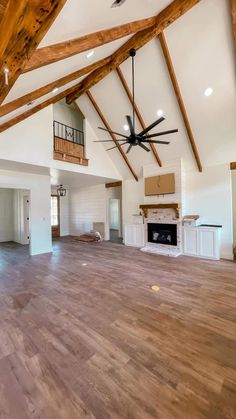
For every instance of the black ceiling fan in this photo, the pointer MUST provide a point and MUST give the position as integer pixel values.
(142, 137)
(117, 3)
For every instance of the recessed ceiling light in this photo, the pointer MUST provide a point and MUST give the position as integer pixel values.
(84, 264)
(55, 90)
(126, 127)
(160, 112)
(208, 91)
(90, 54)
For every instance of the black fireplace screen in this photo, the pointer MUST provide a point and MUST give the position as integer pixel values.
(162, 233)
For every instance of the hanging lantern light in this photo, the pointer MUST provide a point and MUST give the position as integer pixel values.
(61, 191)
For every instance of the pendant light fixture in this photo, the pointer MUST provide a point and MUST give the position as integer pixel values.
(61, 191)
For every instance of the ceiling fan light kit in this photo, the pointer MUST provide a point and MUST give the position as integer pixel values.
(141, 139)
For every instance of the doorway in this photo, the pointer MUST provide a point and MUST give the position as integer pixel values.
(14, 216)
(115, 219)
(55, 216)
(114, 202)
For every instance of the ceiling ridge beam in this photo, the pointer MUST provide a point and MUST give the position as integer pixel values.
(23, 26)
(54, 53)
(171, 13)
(105, 123)
(139, 116)
(179, 98)
(36, 94)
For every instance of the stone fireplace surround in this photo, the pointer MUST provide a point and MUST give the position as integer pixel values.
(162, 214)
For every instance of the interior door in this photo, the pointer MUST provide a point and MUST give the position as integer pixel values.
(55, 215)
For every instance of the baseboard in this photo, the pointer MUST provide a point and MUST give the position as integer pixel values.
(227, 256)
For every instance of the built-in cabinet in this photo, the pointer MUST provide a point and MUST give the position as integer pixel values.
(134, 235)
(202, 242)
(199, 241)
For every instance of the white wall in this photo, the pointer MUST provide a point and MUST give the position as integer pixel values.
(171, 166)
(209, 195)
(87, 205)
(133, 192)
(40, 191)
(67, 115)
(31, 141)
(234, 204)
(132, 197)
(6, 215)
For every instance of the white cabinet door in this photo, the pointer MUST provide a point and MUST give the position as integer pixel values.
(129, 235)
(139, 235)
(209, 243)
(134, 235)
(191, 241)
(202, 242)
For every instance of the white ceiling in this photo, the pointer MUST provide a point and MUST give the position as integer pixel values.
(201, 46)
(76, 180)
(80, 17)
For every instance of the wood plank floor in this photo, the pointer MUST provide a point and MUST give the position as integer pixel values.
(82, 335)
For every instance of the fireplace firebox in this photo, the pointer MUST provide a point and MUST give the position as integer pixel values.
(162, 233)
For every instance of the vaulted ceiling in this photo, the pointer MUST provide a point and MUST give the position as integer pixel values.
(201, 54)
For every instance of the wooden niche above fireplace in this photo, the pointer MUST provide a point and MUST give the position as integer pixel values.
(146, 207)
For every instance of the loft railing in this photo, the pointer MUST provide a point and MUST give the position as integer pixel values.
(68, 144)
(68, 133)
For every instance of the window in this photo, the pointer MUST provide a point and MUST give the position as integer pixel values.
(54, 211)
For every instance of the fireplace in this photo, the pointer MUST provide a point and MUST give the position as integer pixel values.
(162, 233)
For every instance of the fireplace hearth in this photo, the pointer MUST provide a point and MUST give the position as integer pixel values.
(160, 233)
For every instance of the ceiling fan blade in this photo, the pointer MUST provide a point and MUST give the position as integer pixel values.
(107, 141)
(130, 123)
(144, 147)
(158, 134)
(113, 132)
(129, 148)
(154, 124)
(126, 142)
(155, 142)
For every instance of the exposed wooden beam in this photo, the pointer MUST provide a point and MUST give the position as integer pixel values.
(139, 116)
(233, 165)
(113, 184)
(30, 97)
(104, 121)
(233, 14)
(179, 97)
(176, 9)
(23, 26)
(63, 50)
(3, 6)
(35, 109)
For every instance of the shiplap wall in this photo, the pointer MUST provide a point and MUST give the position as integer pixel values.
(87, 205)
